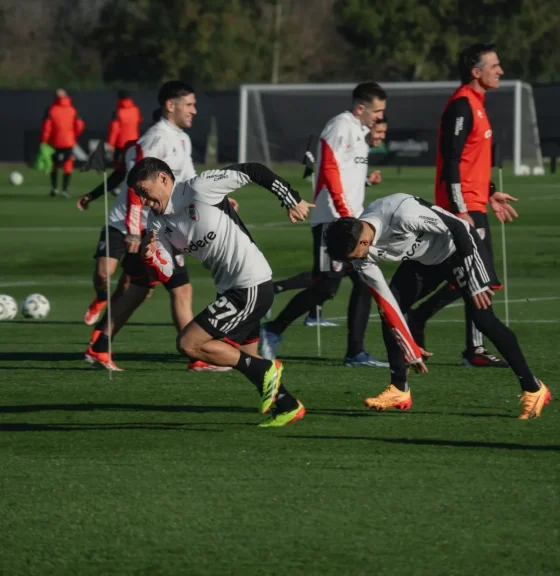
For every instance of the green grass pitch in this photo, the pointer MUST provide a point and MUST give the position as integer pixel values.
(163, 472)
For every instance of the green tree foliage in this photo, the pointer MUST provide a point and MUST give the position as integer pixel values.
(421, 39)
(213, 43)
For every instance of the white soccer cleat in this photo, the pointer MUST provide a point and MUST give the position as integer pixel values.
(269, 344)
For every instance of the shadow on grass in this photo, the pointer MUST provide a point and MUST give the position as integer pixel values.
(428, 442)
(91, 407)
(27, 427)
(365, 413)
(73, 356)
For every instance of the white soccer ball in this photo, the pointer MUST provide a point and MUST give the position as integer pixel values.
(16, 178)
(8, 307)
(35, 306)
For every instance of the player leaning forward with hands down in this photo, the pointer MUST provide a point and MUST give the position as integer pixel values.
(433, 246)
(195, 217)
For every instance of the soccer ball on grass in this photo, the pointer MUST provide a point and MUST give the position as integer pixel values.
(16, 179)
(35, 306)
(8, 307)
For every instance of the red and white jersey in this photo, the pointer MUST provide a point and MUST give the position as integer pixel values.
(166, 142)
(342, 160)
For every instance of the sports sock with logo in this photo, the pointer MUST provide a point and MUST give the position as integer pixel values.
(253, 368)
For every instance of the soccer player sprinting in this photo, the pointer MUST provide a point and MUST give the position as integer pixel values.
(339, 191)
(463, 186)
(433, 246)
(195, 217)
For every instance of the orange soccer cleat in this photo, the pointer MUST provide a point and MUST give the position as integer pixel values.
(532, 403)
(392, 397)
(94, 311)
(200, 366)
(101, 360)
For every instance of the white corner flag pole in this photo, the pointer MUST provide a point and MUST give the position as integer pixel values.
(109, 325)
(318, 316)
(504, 255)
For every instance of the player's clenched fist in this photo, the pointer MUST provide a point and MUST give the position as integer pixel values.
(149, 245)
(299, 212)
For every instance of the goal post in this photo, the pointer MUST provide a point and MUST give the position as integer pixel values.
(275, 120)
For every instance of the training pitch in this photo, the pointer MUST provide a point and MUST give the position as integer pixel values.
(164, 472)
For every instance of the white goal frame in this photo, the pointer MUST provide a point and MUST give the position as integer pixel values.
(517, 85)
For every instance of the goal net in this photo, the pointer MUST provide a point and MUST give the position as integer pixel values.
(276, 120)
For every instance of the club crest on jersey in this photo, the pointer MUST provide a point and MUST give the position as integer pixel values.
(481, 233)
(336, 265)
(180, 259)
(193, 213)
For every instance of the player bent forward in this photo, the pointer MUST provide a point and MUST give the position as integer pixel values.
(196, 218)
(433, 246)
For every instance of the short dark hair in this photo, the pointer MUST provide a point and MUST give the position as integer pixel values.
(173, 89)
(147, 169)
(471, 57)
(382, 120)
(123, 94)
(365, 92)
(342, 237)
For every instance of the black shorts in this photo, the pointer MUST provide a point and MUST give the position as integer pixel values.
(482, 226)
(117, 245)
(235, 316)
(323, 265)
(134, 266)
(60, 155)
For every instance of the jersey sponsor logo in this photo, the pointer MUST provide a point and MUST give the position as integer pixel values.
(481, 233)
(219, 177)
(361, 160)
(429, 219)
(410, 253)
(488, 134)
(196, 245)
(193, 213)
(459, 125)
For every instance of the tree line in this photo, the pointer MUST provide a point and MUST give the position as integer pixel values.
(219, 44)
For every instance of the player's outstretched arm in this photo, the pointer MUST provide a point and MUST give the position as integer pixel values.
(212, 185)
(391, 312)
(114, 180)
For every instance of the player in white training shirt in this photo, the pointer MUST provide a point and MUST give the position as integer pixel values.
(167, 140)
(196, 218)
(433, 246)
(342, 161)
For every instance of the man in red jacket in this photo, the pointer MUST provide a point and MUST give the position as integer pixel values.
(463, 185)
(124, 127)
(61, 128)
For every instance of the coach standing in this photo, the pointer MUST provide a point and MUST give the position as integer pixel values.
(463, 180)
